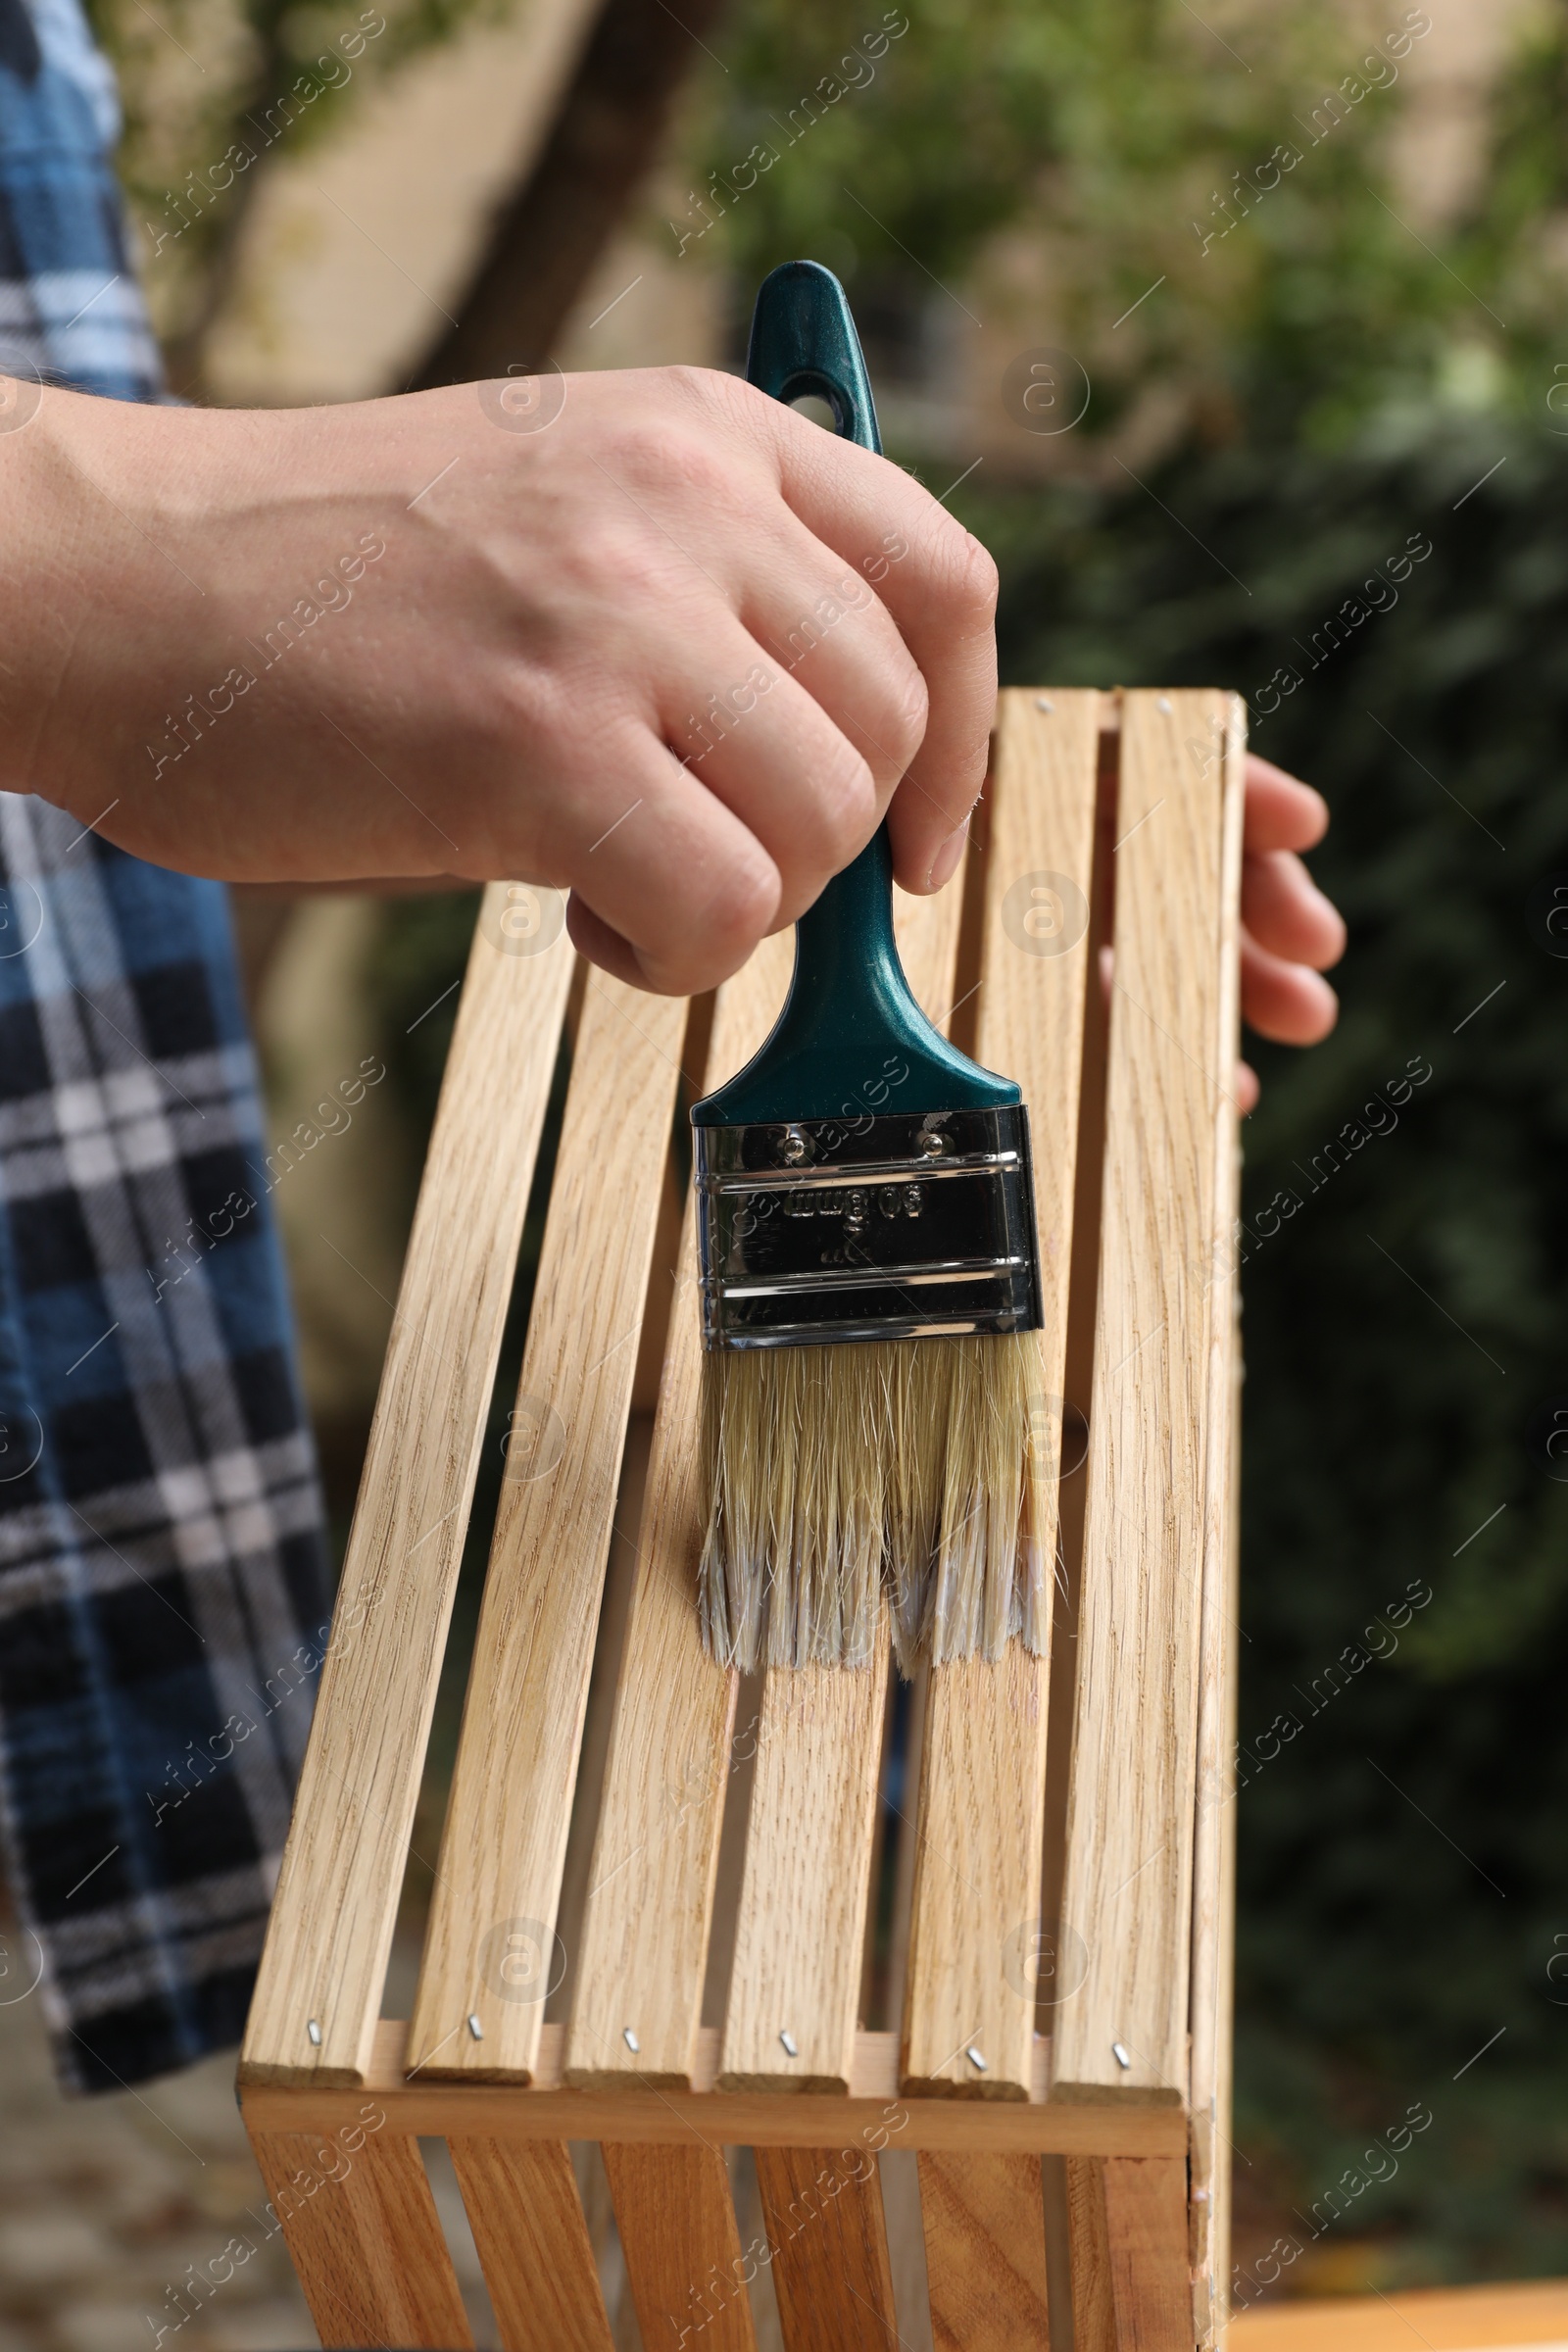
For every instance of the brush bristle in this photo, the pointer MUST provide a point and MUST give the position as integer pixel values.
(836, 1474)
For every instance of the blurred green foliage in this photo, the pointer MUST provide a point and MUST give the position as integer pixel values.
(1061, 161)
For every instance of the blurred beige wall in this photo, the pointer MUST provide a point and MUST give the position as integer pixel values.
(357, 250)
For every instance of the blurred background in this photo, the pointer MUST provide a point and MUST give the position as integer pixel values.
(1237, 337)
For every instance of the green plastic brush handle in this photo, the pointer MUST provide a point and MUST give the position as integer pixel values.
(851, 1038)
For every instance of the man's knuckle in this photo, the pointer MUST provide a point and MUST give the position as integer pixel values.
(719, 917)
(910, 711)
(971, 578)
(842, 812)
(619, 563)
(673, 455)
(747, 898)
(700, 387)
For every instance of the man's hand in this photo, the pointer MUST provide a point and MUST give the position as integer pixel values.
(647, 636)
(1290, 932)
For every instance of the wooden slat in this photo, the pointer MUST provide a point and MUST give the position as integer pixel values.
(1145, 2240)
(801, 1930)
(1127, 2220)
(635, 2112)
(824, 2209)
(1128, 1874)
(676, 2220)
(1448, 2319)
(361, 2226)
(982, 1794)
(985, 2253)
(527, 2221)
(331, 1926)
(1211, 2249)
(801, 1927)
(645, 1924)
(620, 1570)
(505, 1839)
(1214, 1834)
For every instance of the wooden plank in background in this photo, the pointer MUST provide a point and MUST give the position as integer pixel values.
(824, 2209)
(331, 1927)
(980, 1838)
(1449, 2319)
(505, 1839)
(361, 2226)
(527, 2219)
(676, 2220)
(801, 1930)
(651, 1883)
(1127, 1886)
(985, 2253)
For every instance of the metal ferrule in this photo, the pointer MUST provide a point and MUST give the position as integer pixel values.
(870, 1228)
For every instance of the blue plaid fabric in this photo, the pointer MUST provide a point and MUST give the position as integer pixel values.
(162, 1592)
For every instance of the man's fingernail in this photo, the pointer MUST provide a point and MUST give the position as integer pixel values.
(945, 865)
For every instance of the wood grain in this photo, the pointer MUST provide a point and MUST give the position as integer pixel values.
(527, 2219)
(504, 1839)
(985, 2253)
(683, 2254)
(361, 2226)
(823, 2211)
(1127, 1885)
(331, 1927)
(801, 1932)
(1450, 2319)
(645, 1921)
(1146, 2239)
(801, 1928)
(620, 1570)
(1127, 2225)
(980, 1837)
(1214, 1829)
(631, 2111)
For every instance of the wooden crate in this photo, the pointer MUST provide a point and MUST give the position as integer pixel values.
(661, 1902)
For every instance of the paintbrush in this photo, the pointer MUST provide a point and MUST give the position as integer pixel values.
(869, 1267)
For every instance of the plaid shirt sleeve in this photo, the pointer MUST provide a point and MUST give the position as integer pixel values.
(163, 1611)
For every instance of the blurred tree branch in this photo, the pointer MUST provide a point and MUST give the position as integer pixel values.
(610, 129)
(213, 92)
